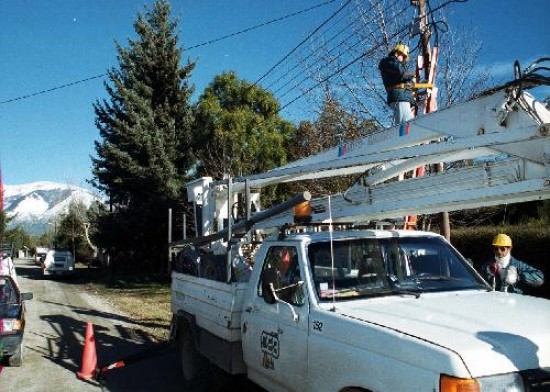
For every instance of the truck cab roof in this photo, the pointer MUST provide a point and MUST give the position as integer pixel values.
(322, 236)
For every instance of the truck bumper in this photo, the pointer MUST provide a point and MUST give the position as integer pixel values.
(57, 272)
(9, 344)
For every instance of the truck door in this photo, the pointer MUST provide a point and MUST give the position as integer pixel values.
(275, 328)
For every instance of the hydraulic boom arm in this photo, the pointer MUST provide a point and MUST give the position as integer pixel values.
(503, 134)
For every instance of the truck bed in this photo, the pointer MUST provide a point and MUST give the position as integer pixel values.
(217, 306)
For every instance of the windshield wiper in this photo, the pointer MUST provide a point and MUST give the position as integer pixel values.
(416, 294)
(434, 277)
(397, 289)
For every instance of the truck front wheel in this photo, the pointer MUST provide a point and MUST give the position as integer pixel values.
(193, 365)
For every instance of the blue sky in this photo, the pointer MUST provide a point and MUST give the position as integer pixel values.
(46, 44)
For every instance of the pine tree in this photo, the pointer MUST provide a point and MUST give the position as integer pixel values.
(145, 151)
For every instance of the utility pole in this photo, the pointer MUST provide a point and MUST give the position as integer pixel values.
(2, 216)
(424, 36)
(427, 62)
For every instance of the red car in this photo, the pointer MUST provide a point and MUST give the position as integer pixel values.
(12, 321)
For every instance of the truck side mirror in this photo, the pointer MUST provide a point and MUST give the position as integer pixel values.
(26, 296)
(269, 280)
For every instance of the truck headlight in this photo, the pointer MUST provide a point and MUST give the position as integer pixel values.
(509, 382)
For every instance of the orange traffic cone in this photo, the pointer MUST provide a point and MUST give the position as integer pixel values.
(89, 357)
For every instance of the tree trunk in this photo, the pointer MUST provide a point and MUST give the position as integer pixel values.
(88, 241)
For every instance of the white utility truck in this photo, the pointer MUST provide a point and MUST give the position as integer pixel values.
(333, 300)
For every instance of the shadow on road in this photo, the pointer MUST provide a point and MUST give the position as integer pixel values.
(109, 316)
(29, 271)
(66, 348)
(116, 337)
(160, 371)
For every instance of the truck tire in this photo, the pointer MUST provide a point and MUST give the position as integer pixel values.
(193, 365)
(187, 261)
(16, 359)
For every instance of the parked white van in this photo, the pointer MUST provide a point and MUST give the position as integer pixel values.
(58, 262)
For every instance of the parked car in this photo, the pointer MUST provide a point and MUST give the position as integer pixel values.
(6, 249)
(12, 321)
(58, 262)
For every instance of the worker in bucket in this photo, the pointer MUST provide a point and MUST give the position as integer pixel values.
(396, 79)
(506, 273)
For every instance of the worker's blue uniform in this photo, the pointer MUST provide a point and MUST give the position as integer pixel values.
(393, 74)
(527, 276)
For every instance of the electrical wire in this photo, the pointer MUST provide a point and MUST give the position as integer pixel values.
(53, 89)
(213, 41)
(338, 45)
(329, 52)
(243, 31)
(343, 68)
(303, 41)
(260, 25)
(297, 65)
(348, 25)
(367, 53)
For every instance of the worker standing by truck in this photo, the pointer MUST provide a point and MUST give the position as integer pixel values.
(506, 273)
(396, 80)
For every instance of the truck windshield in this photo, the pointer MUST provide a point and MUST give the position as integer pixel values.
(386, 266)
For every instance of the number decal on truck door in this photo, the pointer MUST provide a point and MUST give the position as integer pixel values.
(270, 349)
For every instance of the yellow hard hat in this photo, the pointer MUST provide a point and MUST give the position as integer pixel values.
(403, 49)
(502, 240)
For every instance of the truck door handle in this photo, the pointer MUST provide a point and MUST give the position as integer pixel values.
(250, 309)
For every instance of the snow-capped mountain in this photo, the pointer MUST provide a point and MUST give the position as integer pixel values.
(32, 206)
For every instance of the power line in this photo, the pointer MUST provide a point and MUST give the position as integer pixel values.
(366, 53)
(260, 25)
(303, 41)
(341, 69)
(351, 41)
(351, 45)
(308, 67)
(298, 64)
(53, 89)
(246, 30)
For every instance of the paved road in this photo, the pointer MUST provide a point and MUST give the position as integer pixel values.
(54, 338)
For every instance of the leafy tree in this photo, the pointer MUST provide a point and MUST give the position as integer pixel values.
(4, 219)
(17, 237)
(238, 130)
(145, 151)
(71, 231)
(333, 127)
